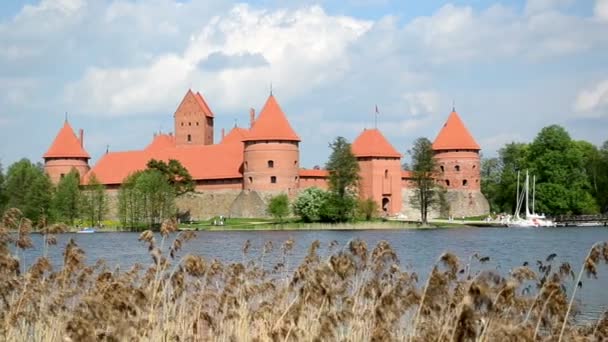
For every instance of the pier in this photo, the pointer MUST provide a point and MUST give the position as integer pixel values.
(581, 220)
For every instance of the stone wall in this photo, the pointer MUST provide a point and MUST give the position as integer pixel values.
(206, 204)
(460, 202)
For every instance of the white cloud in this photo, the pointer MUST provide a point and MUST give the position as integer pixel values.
(593, 102)
(536, 6)
(421, 102)
(601, 9)
(302, 48)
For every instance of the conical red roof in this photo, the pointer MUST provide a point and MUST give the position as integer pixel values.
(371, 143)
(454, 136)
(203, 104)
(66, 145)
(272, 124)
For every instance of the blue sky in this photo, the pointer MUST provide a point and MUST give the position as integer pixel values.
(121, 67)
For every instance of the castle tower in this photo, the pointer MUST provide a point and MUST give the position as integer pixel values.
(66, 153)
(272, 155)
(380, 170)
(457, 156)
(193, 121)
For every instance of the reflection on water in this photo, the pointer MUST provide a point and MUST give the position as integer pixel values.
(417, 249)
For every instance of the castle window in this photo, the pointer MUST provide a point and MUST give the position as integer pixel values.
(182, 124)
(447, 182)
(474, 166)
(189, 138)
(270, 164)
(197, 123)
(189, 123)
(295, 163)
(62, 175)
(385, 173)
(465, 182)
(250, 180)
(273, 179)
(296, 178)
(457, 167)
(441, 167)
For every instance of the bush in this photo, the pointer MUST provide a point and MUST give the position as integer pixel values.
(278, 207)
(309, 203)
(367, 209)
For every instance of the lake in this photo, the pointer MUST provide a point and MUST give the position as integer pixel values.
(417, 249)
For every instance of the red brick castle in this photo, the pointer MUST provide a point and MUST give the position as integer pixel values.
(237, 175)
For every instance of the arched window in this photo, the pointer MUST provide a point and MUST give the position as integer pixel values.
(270, 164)
(457, 167)
(273, 179)
(447, 182)
(474, 166)
(182, 124)
(189, 138)
(189, 123)
(197, 123)
(385, 173)
(250, 180)
(465, 182)
(442, 169)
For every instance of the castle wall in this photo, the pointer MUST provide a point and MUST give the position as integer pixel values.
(310, 182)
(459, 170)
(57, 168)
(380, 180)
(271, 165)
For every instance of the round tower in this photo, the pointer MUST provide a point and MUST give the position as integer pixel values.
(457, 156)
(272, 156)
(65, 154)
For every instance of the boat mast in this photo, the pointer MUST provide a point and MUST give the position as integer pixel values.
(517, 204)
(533, 193)
(527, 194)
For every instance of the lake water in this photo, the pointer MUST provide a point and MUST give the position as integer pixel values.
(417, 249)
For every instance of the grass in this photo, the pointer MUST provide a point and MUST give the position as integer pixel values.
(353, 292)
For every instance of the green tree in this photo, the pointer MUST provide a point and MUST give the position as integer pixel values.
(28, 189)
(559, 165)
(157, 197)
(278, 207)
(308, 204)
(343, 180)
(2, 191)
(39, 197)
(602, 181)
(175, 173)
(129, 203)
(490, 181)
(66, 202)
(423, 169)
(94, 203)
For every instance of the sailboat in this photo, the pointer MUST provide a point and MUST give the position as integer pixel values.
(531, 219)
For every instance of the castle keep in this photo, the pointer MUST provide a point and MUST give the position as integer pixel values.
(237, 175)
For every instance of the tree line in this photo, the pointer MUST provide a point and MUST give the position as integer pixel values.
(571, 175)
(27, 187)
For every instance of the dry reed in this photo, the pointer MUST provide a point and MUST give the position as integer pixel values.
(353, 294)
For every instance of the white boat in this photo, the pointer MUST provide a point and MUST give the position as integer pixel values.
(87, 230)
(531, 219)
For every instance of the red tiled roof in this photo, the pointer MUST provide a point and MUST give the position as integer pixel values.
(454, 136)
(406, 174)
(371, 143)
(236, 134)
(313, 173)
(203, 104)
(160, 142)
(202, 161)
(66, 145)
(272, 124)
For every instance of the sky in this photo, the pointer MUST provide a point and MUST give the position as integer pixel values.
(119, 69)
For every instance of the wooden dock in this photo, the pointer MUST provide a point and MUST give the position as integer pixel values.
(581, 220)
